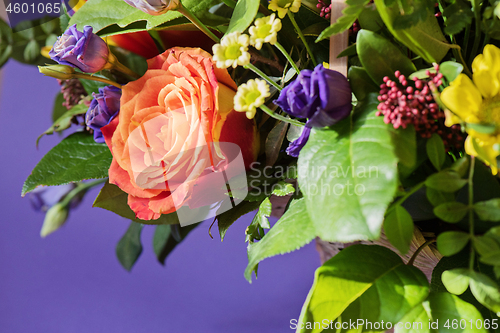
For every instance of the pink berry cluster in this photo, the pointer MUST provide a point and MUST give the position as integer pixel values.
(404, 104)
(73, 92)
(325, 9)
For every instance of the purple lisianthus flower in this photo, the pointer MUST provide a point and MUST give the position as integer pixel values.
(296, 146)
(323, 96)
(103, 108)
(83, 50)
(154, 7)
(42, 198)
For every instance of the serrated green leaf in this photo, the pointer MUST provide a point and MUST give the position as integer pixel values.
(112, 198)
(292, 231)
(64, 121)
(451, 212)
(380, 57)
(435, 151)
(349, 175)
(243, 15)
(437, 198)
(371, 274)
(129, 248)
(263, 214)
(456, 281)
(226, 219)
(398, 227)
(452, 242)
(282, 189)
(445, 181)
(488, 210)
(458, 16)
(486, 291)
(77, 157)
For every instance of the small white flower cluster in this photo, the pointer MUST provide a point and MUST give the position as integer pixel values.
(250, 96)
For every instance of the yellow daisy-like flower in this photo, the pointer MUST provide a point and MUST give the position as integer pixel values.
(232, 51)
(264, 30)
(250, 96)
(477, 101)
(283, 6)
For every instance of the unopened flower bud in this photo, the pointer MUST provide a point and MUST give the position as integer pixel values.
(54, 219)
(61, 72)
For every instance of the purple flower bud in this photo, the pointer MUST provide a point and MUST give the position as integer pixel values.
(103, 108)
(323, 96)
(85, 51)
(296, 146)
(42, 198)
(154, 7)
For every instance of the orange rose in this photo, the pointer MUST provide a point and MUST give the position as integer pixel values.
(167, 134)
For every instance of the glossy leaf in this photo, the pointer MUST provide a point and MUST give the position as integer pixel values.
(380, 57)
(226, 219)
(398, 227)
(386, 288)
(452, 242)
(361, 83)
(456, 281)
(129, 248)
(445, 181)
(243, 15)
(435, 151)
(77, 157)
(451, 212)
(292, 231)
(349, 175)
(488, 210)
(405, 145)
(349, 15)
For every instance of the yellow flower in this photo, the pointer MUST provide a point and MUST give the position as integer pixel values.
(264, 30)
(477, 101)
(250, 96)
(282, 6)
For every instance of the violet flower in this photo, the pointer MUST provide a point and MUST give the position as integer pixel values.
(323, 96)
(83, 50)
(103, 108)
(296, 146)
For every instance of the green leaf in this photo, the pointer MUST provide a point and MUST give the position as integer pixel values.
(243, 15)
(6, 41)
(488, 210)
(380, 57)
(349, 175)
(450, 70)
(163, 240)
(387, 289)
(92, 86)
(461, 166)
(103, 13)
(452, 242)
(226, 219)
(77, 157)
(31, 51)
(485, 245)
(414, 13)
(445, 181)
(483, 128)
(361, 83)
(458, 16)
(456, 281)
(58, 109)
(398, 227)
(274, 141)
(129, 247)
(64, 121)
(435, 151)
(405, 145)
(112, 198)
(437, 198)
(349, 15)
(263, 214)
(282, 189)
(451, 212)
(486, 291)
(292, 231)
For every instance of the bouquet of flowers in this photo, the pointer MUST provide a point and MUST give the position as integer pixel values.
(377, 135)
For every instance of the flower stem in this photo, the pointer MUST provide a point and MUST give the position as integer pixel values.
(417, 252)
(262, 75)
(280, 117)
(302, 37)
(287, 56)
(80, 187)
(96, 78)
(477, 38)
(196, 21)
(471, 211)
(113, 63)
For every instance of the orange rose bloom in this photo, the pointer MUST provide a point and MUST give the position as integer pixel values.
(163, 139)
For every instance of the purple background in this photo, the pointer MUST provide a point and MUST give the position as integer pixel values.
(71, 281)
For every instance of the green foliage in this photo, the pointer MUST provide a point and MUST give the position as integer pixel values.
(485, 290)
(129, 248)
(398, 227)
(255, 231)
(77, 157)
(415, 11)
(65, 120)
(292, 231)
(164, 241)
(59, 109)
(6, 40)
(274, 141)
(243, 15)
(451, 212)
(456, 280)
(488, 210)
(452, 242)
(450, 70)
(385, 287)
(357, 151)
(405, 145)
(435, 151)
(361, 83)
(226, 219)
(446, 181)
(380, 57)
(349, 15)
(282, 189)
(437, 198)
(458, 15)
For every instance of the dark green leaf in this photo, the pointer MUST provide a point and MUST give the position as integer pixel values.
(274, 141)
(292, 231)
(5, 42)
(445, 181)
(380, 57)
(488, 210)
(461, 166)
(405, 145)
(92, 86)
(349, 175)
(129, 247)
(485, 290)
(163, 240)
(59, 109)
(398, 227)
(226, 219)
(64, 121)
(458, 16)
(361, 83)
(437, 198)
(386, 287)
(77, 157)
(452, 242)
(435, 151)
(451, 212)
(456, 280)
(243, 15)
